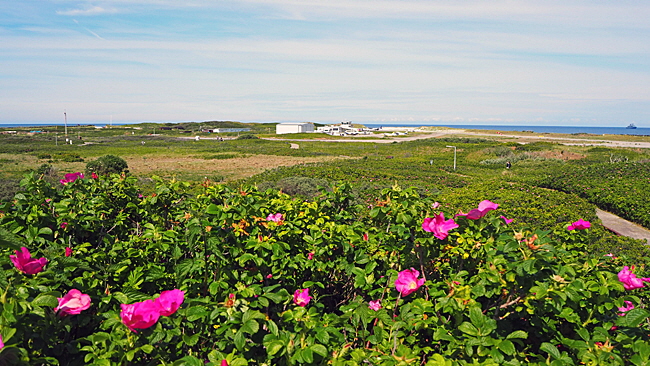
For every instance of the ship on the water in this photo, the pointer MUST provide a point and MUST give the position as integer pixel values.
(631, 126)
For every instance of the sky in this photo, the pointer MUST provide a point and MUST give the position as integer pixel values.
(568, 62)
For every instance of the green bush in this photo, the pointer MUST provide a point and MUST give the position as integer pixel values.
(247, 137)
(107, 164)
(489, 293)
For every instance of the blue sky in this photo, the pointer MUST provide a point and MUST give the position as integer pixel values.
(569, 62)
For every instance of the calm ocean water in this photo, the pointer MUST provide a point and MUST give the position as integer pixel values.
(539, 129)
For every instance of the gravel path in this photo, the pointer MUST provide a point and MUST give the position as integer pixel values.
(623, 227)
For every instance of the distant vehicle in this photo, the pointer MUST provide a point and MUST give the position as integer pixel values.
(631, 126)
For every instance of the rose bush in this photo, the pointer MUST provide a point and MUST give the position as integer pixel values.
(200, 275)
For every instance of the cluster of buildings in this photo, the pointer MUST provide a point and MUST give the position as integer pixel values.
(341, 129)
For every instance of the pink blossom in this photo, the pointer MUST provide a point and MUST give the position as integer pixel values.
(365, 236)
(71, 177)
(94, 175)
(629, 279)
(73, 303)
(435, 205)
(301, 297)
(68, 251)
(224, 363)
(310, 256)
(483, 208)
(407, 282)
(438, 226)
(63, 225)
(269, 275)
(579, 225)
(375, 305)
(140, 315)
(25, 263)
(2, 343)
(170, 301)
(624, 309)
(507, 220)
(275, 217)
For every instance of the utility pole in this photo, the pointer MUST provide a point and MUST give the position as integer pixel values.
(65, 117)
(454, 155)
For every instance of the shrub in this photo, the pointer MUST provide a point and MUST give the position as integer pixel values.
(107, 164)
(268, 279)
(247, 137)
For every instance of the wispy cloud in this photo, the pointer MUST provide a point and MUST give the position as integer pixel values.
(87, 10)
(88, 30)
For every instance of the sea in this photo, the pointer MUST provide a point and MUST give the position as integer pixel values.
(642, 131)
(536, 129)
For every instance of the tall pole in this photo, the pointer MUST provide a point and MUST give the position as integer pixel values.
(454, 155)
(65, 116)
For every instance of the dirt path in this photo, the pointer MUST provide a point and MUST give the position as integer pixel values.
(623, 227)
(561, 140)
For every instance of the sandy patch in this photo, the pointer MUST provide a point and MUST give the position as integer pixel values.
(230, 169)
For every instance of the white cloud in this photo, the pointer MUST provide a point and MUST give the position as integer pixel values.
(87, 10)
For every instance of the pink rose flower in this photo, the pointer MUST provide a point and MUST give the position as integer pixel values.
(407, 282)
(2, 343)
(435, 205)
(68, 251)
(278, 218)
(72, 303)
(629, 279)
(170, 301)
(507, 220)
(483, 208)
(375, 305)
(624, 309)
(94, 175)
(438, 226)
(71, 177)
(64, 225)
(301, 297)
(224, 363)
(310, 256)
(579, 225)
(24, 262)
(140, 315)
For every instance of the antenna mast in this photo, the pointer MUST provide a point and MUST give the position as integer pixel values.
(65, 116)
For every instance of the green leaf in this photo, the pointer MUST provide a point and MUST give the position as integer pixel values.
(10, 240)
(307, 355)
(319, 349)
(477, 317)
(506, 347)
(274, 347)
(468, 328)
(188, 361)
(45, 300)
(251, 327)
(632, 318)
(517, 334)
(550, 349)
(191, 340)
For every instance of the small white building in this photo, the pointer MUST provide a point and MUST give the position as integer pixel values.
(294, 127)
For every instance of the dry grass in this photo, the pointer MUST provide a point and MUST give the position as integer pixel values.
(230, 169)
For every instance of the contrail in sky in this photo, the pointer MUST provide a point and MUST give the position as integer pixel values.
(91, 32)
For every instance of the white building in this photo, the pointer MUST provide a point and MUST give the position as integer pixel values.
(294, 127)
